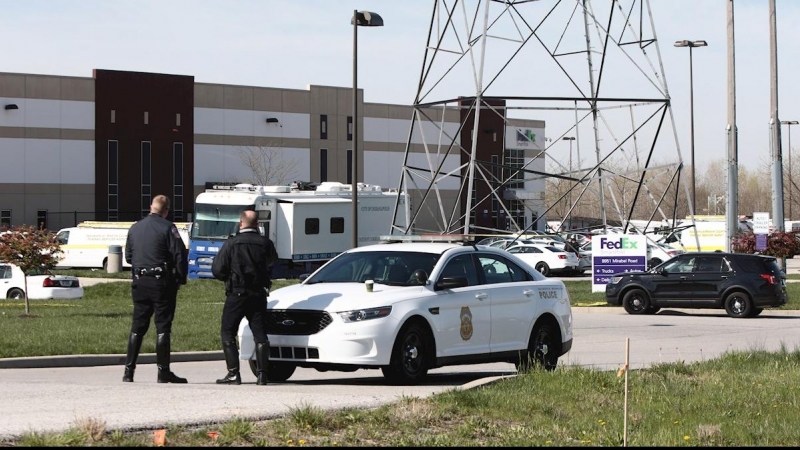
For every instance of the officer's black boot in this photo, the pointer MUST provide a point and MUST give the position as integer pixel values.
(262, 360)
(232, 360)
(134, 345)
(162, 360)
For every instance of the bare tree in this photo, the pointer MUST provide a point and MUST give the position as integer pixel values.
(268, 165)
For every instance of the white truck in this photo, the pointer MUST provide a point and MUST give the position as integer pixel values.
(308, 225)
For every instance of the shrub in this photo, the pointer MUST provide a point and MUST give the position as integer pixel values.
(780, 244)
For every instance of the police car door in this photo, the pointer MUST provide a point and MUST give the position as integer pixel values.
(463, 322)
(515, 301)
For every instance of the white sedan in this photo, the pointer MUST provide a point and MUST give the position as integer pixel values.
(547, 259)
(432, 304)
(40, 285)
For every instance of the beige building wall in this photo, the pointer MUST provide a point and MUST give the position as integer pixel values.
(46, 145)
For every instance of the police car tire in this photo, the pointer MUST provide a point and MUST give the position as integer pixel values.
(401, 369)
(15, 294)
(543, 349)
(543, 268)
(277, 372)
(738, 305)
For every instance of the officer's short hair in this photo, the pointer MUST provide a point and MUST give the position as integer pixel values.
(247, 220)
(159, 204)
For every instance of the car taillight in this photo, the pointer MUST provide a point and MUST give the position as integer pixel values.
(48, 282)
(562, 256)
(672, 252)
(770, 278)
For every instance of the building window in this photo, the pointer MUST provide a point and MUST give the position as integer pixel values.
(312, 226)
(146, 118)
(41, 219)
(113, 116)
(515, 159)
(146, 178)
(323, 165)
(177, 194)
(349, 128)
(323, 126)
(5, 218)
(178, 119)
(113, 180)
(337, 225)
(349, 166)
(495, 171)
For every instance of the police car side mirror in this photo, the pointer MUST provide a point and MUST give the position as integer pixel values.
(663, 272)
(303, 277)
(451, 283)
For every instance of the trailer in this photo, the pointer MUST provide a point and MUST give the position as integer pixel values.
(309, 225)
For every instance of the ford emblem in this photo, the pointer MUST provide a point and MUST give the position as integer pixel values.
(287, 323)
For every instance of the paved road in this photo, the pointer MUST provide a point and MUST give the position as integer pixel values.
(53, 398)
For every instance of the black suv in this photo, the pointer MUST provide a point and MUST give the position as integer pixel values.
(741, 283)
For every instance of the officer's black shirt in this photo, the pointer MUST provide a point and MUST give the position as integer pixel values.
(155, 242)
(244, 261)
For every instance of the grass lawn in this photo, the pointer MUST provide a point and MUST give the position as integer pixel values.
(740, 399)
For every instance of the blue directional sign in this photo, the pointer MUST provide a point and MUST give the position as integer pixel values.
(616, 253)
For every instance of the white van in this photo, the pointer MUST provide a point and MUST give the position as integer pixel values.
(87, 244)
(87, 247)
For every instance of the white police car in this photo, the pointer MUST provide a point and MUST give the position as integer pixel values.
(432, 304)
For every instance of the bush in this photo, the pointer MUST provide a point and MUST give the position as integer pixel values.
(780, 244)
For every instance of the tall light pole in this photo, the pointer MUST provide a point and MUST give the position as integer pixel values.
(569, 194)
(691, 45)
(789, 123)
(360, 19)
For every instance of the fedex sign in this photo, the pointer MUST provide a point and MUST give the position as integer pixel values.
(623, 243)
(616, 253)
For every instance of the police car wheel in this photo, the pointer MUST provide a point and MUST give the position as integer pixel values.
(15, 294)
(543, 268)
(738, 305)
(277, 372)
(543, 349)
(409, 362)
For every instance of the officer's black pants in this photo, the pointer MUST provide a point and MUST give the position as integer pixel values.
(238, 306)
(151, 295)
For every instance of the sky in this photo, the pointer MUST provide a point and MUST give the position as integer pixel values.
(296, 43)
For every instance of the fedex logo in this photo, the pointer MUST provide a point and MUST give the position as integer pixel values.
(622, 243)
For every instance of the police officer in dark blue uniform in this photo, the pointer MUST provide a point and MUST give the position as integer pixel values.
(244, 264)
(157, 256)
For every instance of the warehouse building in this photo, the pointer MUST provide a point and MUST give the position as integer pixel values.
(75, 149)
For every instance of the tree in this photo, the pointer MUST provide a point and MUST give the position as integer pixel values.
(267, 164)
(30, 249)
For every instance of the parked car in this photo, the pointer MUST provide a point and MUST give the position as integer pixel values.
(41, 285)
(432, 304)
(742, 284)
(658, 253)
(546, 259)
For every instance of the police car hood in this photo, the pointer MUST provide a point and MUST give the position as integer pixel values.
(336, 297)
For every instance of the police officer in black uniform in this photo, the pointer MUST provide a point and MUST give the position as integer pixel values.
(157, 256)
(244, 264)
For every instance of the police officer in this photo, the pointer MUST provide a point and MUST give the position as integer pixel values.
(157, 256)
(244, 264)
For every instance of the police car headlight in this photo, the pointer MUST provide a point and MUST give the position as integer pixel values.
(615, 280)
(360, 315)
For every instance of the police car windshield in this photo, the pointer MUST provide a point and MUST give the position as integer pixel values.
(216, 221)
(392, 268)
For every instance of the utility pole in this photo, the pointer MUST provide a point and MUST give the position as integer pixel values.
(732, 204)
(775, 129)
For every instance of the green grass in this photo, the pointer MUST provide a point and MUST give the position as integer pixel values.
(740, 399)
(99, 323)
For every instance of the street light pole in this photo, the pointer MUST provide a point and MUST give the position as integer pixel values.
(691, 45)
(569, 194)
(360, 19)
(789, 123)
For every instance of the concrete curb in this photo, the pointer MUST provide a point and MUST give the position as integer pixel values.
(39, 362)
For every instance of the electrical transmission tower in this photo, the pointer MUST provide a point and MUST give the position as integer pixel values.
(492, 71)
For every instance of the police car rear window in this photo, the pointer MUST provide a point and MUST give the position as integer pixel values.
(758, 265)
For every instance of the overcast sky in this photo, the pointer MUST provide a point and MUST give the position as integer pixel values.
(295, 43)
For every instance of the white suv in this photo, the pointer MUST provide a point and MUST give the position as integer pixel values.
(430, 305)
